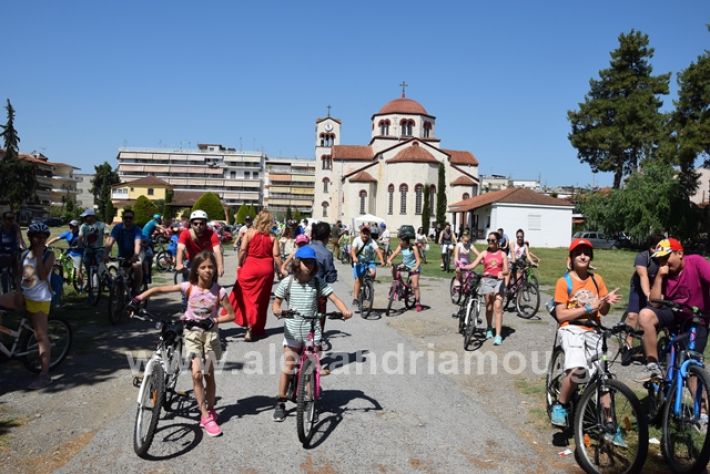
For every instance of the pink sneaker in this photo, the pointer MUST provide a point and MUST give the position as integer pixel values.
(213, 414)
(419, 308)
(210, 426)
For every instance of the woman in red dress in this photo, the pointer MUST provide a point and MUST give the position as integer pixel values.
(255, 275)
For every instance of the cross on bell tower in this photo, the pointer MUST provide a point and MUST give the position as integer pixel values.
(328, 107)
(403, 85)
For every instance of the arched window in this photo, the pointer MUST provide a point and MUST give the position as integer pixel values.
(432, 199)
(390, 199)
(327, 139)
(322, 139)
(326, 181)
(325, 205)
(403, 188)
(363, 202)
(427, 129)
(326, 162)
(418, 197)
(384, 127)
(407, 126)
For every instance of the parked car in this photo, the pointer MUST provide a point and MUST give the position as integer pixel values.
(598, 239)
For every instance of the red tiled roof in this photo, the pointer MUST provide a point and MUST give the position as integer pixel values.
(185, 198)
(403, 105)
(462, 157)
(363, 177)
(352, 153)
(510, 195)
(463, 181)
(146, 181)
(413, 154)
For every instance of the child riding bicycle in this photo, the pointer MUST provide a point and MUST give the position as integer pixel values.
(411, 260)
(301, 290)
(462, 254)
(203, 294)
(362, 252)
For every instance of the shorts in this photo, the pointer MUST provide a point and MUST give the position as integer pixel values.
(637, 300)
(200, 343)
(490, 285)
(580, 345)
(360, 268)
(76, 260)
(446, 246)
(667, 319)
(37, 306)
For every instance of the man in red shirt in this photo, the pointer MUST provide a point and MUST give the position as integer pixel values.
(196, 239)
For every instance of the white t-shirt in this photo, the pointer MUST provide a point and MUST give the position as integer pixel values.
(368, 253)
(33, 288)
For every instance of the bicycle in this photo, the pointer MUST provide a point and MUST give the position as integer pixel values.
(91, 279)
(157, 388)
(367, 293)
(24, 342)
(304, 383)
(610, 430)
(164, 261)
(64, 265)
(672, 401)
(400, 289)
(120, 290)
(469, 312)
(458, 289)
(524, 290)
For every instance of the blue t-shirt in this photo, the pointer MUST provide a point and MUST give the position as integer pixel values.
(148, 229)
(72, 239)
(125, 239)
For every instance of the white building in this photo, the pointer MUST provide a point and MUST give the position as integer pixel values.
(546, 221)
(387, 177)
(84, 198)
(702, 195)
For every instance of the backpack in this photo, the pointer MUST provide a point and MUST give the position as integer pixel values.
(55, 280)
(551, 306)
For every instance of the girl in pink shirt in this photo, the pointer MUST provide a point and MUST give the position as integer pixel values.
(201, 335)
(495, 270)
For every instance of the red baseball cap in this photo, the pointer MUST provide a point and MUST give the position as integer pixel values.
(577, 242)
(666, 246)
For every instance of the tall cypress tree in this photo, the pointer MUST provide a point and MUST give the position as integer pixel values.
(17, 177)
(441, 198)
(104, 178)
(426, 212)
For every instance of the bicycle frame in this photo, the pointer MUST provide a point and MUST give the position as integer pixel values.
(15, 334)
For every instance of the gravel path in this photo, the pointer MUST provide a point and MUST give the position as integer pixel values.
(400, 399)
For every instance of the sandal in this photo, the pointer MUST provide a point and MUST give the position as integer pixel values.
(247, 336)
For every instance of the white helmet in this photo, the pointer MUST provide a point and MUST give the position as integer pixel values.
(198, 214)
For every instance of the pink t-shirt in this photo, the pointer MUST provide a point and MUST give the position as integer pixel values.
(202, 303)
(692, 285)
(493, 263)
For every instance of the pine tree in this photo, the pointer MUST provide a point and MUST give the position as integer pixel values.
(426, 213)
(17, 177)
(101, 185)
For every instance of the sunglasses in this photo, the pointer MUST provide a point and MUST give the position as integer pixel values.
(492, 241)
(583, 251)
(199, 223)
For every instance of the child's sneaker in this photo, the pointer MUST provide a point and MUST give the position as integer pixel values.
(558, 417)
(489, 334)
(419, 308)
(280, 411)
(213, 414)
(619, 439)
(210, 426)
(497, 341)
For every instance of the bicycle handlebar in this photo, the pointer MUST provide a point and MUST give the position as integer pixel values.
(599, 327)
(697, 316)
(292, 313)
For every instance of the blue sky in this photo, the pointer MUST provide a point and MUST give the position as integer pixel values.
(88, 77)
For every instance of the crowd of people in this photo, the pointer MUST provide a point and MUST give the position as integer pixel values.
(301, 255)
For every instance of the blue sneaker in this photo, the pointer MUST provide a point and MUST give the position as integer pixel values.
(498, 341)
(559, 416)
(489, 334)
(619, 439)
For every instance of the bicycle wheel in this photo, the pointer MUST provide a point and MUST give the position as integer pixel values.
(391, 295)
(409, 298)
(553, 379)
(527, 301)
(93, 289)
(471, 324)
(148, 411)
(461, 314)
(685, 442)
(306, 400)
(116, 300)
(163, 261)
(60, 339)
(614, 438)
(369, 298)
(454, 291)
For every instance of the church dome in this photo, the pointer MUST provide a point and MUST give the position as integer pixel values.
(403, 105)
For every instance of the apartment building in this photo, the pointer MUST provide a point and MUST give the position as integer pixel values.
(84, 197)
(290, 182)
(236, 176)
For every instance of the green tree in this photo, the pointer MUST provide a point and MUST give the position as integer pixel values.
(144, 209)
(426, 212)
(441, 198)
(241, 214)
(17, 177)
(297, 215)
(619, 124)
(104, 178)
(289, 214)
(211, 204)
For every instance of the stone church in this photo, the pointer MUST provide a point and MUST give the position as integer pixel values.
(387, 176)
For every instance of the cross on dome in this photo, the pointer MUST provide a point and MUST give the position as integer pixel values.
(403, 85)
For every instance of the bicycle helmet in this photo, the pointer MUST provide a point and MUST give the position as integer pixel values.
(89, 212)
(38, 228)
(383, 225)
(198, 214)
(156, 216)
(74, 223)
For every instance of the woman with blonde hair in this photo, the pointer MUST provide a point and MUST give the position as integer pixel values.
(250, 297)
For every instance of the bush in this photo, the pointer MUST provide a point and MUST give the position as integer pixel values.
(144, 209)
(211, 204)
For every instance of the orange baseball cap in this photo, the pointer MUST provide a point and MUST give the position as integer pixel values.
(577, 242)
